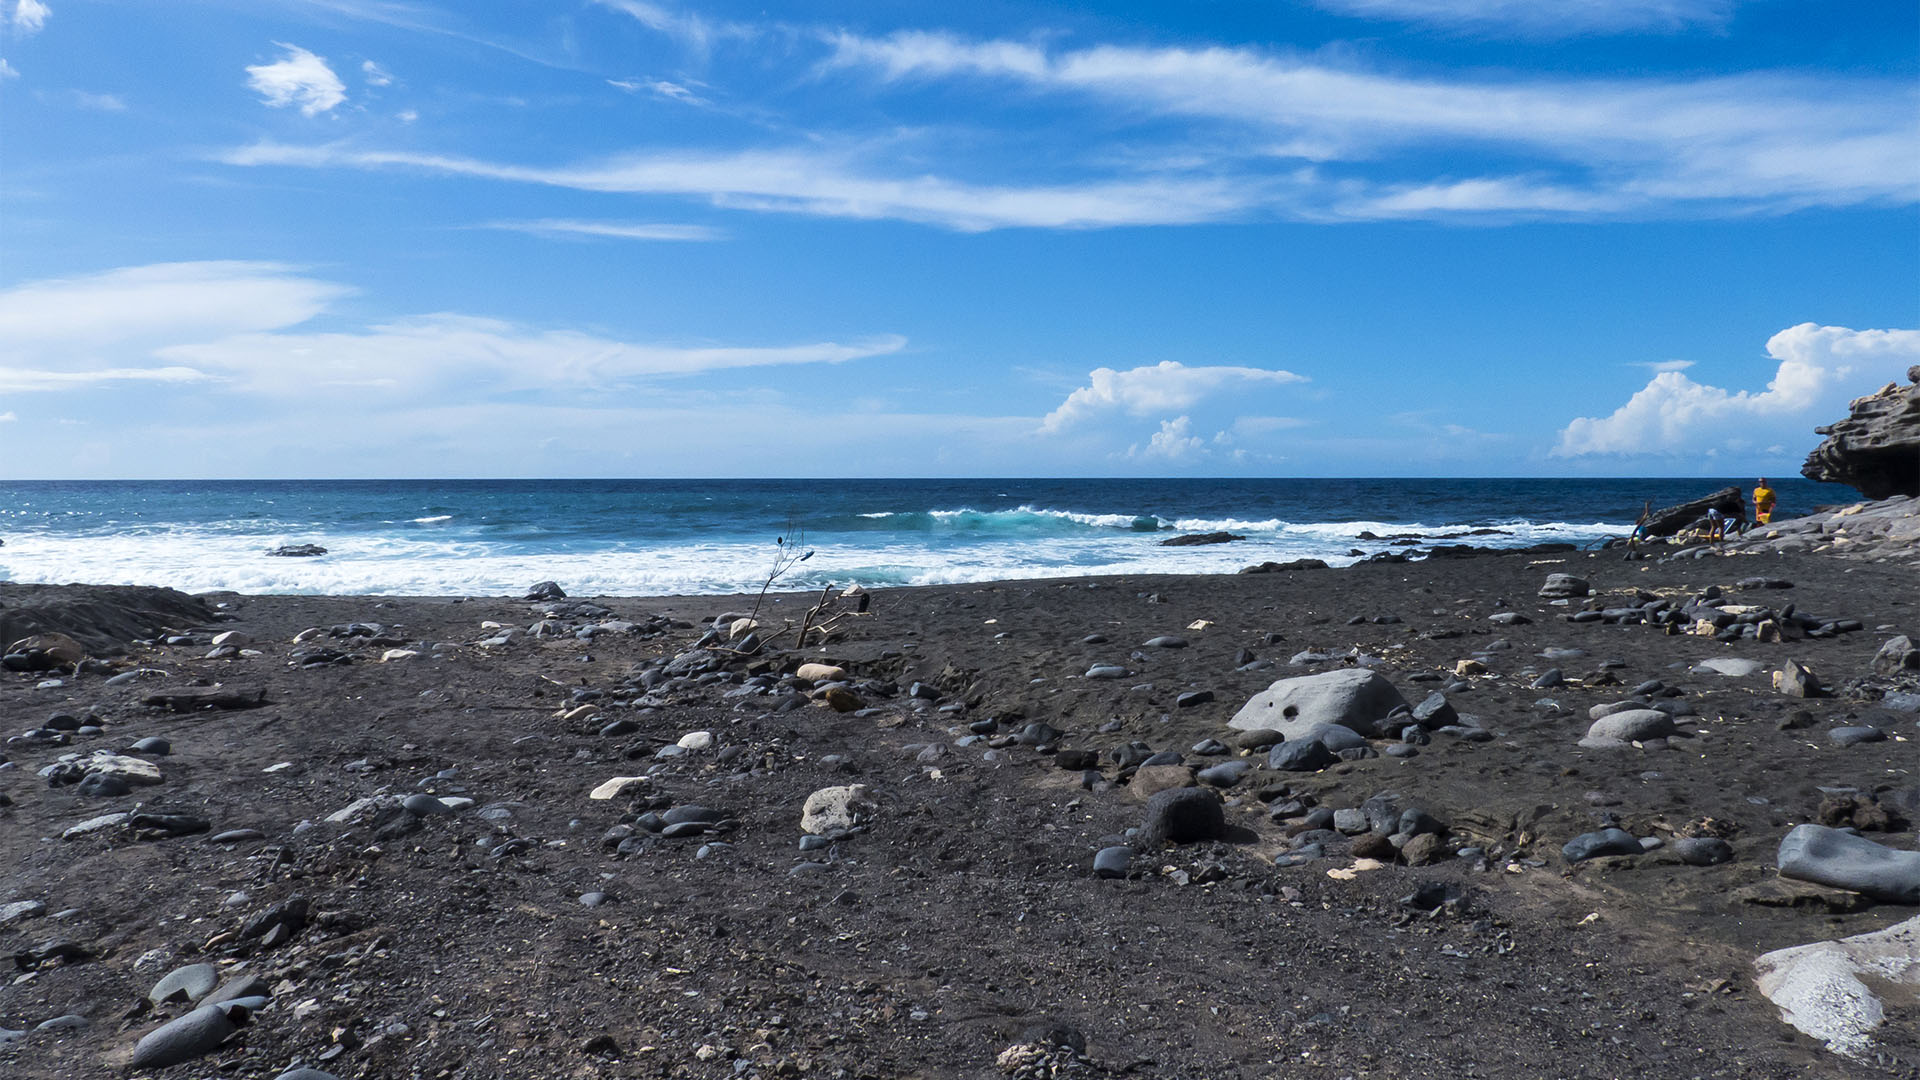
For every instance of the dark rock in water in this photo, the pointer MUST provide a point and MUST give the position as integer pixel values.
(1194, 539)
(1830, 857)
(1595, 844)
(546, 590)
(296, 551)
(1184, 816)
(198, 1033)
(1702, 850)
(1112, 862)
(1876, 449)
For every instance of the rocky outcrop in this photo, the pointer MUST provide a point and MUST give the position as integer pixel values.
(1670, 520)
(1877, 447)
(1883, 531)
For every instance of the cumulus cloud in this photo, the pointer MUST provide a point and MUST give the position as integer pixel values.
(1163, 387)
(1817, 368)
(29, 16)
(1545, 18)
(1175, 441)
(298, 78)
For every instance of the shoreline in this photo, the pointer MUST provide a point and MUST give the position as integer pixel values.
(967, 892)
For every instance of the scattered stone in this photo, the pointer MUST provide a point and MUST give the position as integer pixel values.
(1112, 862)
(1184, 816)
(1310, 755)
(21, 910)
(1797, 680)
(1355, 698)
(1630, 726)
(1564, 586)
(1896, 656)
(195, 698)
(198, 1033)
(1855, 735)
(614, 788)
(1192, 698)
(546, 590)
(1828, 856)
(820, 673)
(1702, 850)
(1150, 780)
(190, 983)
(837, 809)
(1732, 667)
(1605, 842)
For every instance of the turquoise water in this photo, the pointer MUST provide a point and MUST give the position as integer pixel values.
(656, 537)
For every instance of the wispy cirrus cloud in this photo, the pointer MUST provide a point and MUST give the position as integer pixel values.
(1815, 369)
(15, 380)
(821, 183)
(1543, 18)
(1168, 386)
(567, 228)
(298, 78)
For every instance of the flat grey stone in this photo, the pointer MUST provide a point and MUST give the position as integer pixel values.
(1827, 856)
(190, 983)
(193, 1035)
(1630, 726)
(1731, 666)
(1605, 842)
(21, 909)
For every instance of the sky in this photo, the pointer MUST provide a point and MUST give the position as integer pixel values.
(409, 238)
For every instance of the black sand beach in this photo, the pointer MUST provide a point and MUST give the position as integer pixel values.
(960, 930)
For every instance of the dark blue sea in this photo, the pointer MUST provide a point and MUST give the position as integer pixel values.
(661, 537)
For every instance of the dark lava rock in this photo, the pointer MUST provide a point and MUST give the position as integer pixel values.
(296, 551)
(1194, 539)
(1702, 850)
(1876, 449)
(1308, 756)
(1112, 862)
(1184, 816)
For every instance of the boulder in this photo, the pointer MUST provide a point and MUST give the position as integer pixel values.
(1897, 655)
(1564, 587)
(1184, 816)
(1595, 844)
(1196, 539)
(1876, 449)
(1669, 520)
(1820, 990)
(199, 1032)
(1355, 698)
(297, 551)
(1827, 856)
(1797, 680)
(1629, 726)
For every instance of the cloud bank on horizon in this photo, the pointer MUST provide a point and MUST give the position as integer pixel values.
(1343, 237)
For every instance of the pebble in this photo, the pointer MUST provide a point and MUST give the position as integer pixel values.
(1702, 850)
(1112, 862)
(1854, 736)
(1107, 671)
(422, 805)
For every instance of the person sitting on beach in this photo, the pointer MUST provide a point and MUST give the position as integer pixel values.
(1762, 503)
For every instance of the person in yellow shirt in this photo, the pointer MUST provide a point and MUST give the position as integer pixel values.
(1762, 503)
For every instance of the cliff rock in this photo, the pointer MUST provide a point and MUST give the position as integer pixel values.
(1877, 447)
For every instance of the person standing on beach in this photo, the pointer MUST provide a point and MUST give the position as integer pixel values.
(1762, 503)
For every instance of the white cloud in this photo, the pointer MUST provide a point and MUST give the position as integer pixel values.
(144, 306)
(374, 74)
(1544, 18)
(298, 78)
(15, 380)
(1817, 368)
(8, 417)
(1175, 441)
(479, 356)
(820, 183)
(99, 102)
(29, 16)
(406, 116)
(1664, 365)
(7, 70)
(621, 230)
(1163, 387)
(1625, 145)
(693, 31)
(660, 88)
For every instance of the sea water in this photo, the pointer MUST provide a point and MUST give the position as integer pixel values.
(667, 537)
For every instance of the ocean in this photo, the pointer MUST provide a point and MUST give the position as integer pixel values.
(669, 537)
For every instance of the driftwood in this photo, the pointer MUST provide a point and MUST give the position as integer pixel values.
(1671, 520)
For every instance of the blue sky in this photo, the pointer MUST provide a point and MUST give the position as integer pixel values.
(613, 237)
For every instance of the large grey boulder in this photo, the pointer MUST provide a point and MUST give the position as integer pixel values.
(1629, 726)
(1353, 698)
(199, 1032)
(1842, 860)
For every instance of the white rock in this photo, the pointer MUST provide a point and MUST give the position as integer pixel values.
(354, 810)
(392, 655)
(307, 635)
(583, 712)
(92, 825)
(742, 627)
(820, 673)
(837, 808)
(697, 740)
(1820, 991)
(1629, 726)
(1728, 665)
(131, 769)
(1353, 698)
(612, 788)
(231, 637)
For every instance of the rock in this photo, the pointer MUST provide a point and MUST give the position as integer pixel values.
(1595, 844)
(1434, 711)
(546, 590)
(193, 1035)
(1112, 862)
(1855, 735)
(837, 809)
(1423, 849)
(1193, 539)
(1702, 850)
(1827, 856)
(134, 771)
(1670, 520)
(614, 788)
(1628, 726)
(1876, 449)
(1827, 989)
(48, 650)
(1355, 698)
(93, 825)
(1107, 671)
(306, 1074)
(696, 741)
(1184, 816)
(424, 805)
(21, 910)
(154, 745)
(1797, 680)
(1257, 739)
(195, 698)
(1896, 656)
(102, 786)
(190, 983)
(1192, 698)
(820, 673)
(842, 700)
(1732, 667)
(1564, 586)
(297, 551)
(1224, 775)
(1150, 780)
(1310, 755)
